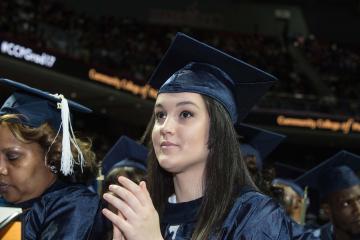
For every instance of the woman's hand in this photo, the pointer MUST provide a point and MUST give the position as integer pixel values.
(137, 218)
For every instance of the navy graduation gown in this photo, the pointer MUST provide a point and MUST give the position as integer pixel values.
(253, 216)
(326, 232)
(64, 211)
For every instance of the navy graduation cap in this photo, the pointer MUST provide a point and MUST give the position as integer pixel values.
(334, 174)
(192, 66)
(35, 107)
(125, 153)
(258, 142)
(291, 183)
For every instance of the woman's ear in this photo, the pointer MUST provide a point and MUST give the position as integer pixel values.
(50, 165)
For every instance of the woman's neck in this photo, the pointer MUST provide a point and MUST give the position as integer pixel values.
(188, 185)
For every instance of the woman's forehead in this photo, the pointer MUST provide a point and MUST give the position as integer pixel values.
(8, 139)
(177, 98)
(5, 132)
(174, 101)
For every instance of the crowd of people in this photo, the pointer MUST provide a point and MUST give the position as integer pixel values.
(338, 65)
(177, 185)
(131, 49)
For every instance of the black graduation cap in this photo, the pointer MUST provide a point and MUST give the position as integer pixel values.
(258, 142)
(125, 153)
(192, 66)
(332, 175)
(35, 106)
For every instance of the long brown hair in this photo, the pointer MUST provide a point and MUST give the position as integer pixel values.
(44, 136)
(225, 172)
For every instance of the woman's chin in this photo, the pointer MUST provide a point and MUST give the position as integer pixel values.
(167, 164)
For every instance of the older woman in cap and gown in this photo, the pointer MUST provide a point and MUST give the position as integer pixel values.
(43, 167)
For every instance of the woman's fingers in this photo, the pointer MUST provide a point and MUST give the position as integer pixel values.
(119, 204)
(144, 188)
(139, 222)
(117, 220)
(117, 235)
(135, 189)
(131, 200)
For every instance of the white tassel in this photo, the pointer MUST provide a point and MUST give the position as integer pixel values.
(68, 138)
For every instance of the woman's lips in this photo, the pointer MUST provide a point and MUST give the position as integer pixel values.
(167, 144)
(3, 187)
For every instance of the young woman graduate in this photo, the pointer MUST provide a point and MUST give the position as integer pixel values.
(198, 185)
(43, 165)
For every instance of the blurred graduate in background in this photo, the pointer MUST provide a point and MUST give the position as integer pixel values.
(126, 158)
(292, 197)
(337, 188)
(256, 144)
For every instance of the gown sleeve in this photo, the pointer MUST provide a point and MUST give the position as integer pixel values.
(67, 214)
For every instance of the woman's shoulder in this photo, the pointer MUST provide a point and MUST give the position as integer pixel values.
(69, 192)
(252, 207)
(256, 197)
(256, 204)
(256, 216)
(62, 203)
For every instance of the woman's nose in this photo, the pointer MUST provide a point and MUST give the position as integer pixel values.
(3, 167)
(168, 126)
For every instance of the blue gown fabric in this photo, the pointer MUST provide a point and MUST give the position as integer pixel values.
(253, 216)
(326, 232)
(64, 211)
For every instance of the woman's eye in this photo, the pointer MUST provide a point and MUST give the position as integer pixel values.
(160, 115)
(12, 156)
(345, 204)
(186, 114)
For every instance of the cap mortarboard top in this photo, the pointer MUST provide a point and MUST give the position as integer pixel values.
(192, 66)
(125, 153)
(35, 106)
(335, 174)
(258, 142)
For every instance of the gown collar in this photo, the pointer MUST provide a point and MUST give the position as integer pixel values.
(58, 184)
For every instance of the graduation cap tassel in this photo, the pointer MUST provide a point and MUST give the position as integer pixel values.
(68, 138)
(80, 155)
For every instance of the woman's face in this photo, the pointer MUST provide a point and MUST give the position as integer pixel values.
(181, 132)
(23, 174)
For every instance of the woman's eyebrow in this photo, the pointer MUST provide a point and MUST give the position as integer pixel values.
(159, 105)
(187, 103)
